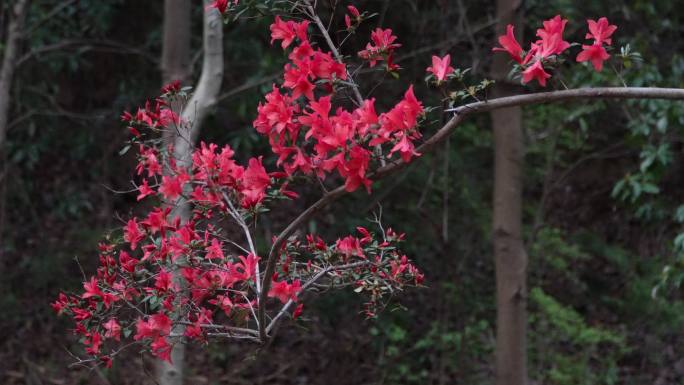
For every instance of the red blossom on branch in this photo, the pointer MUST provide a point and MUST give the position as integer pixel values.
(601, 31)
(382, 47)
(441, 67)
(510, 44)
(285, 291)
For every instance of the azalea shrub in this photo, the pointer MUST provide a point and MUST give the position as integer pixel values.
(164, 279)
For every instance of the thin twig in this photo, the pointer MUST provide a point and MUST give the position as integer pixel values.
(309, 283)
(238, 218)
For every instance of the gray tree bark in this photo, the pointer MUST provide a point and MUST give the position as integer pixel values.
(510, 257)
(175, 64)
(193, 115)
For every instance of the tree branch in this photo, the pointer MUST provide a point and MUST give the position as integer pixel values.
(460, 113)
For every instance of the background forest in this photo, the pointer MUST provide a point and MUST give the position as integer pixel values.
(603, 211)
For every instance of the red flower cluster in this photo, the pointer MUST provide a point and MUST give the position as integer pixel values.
(210, 171)
(382, 48)
(186, 276)
(285, 291)
(156, 117)
(287, 31)
(163, 281)
(551, 44)
(165, 273)
(310, 137)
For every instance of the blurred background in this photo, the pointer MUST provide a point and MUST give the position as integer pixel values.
(603, 208)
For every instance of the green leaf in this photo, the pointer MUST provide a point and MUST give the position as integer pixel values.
(679, 214)
(661, 125)
(679, 242)
(650, 188)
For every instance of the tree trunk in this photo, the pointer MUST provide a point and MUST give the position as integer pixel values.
(509, 252)
(175, 63)
(15, 30)
(184, 137)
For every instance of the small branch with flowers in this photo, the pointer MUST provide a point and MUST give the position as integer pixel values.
(228, 290)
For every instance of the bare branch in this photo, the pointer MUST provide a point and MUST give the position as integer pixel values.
(93, 44)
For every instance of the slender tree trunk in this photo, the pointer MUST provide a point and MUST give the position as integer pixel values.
(15, 30)
(184, 137)
(509, 252)
(176, 41)
(175, 66)
(175, 63)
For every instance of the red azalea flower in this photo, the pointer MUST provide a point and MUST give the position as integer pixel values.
(350, 246)
(600, 31)
(156, 220)
(60, 304)
(510, 44)
(594, 53)
(441, 67)
(215, 250)
(132, 233)
(91, 289)
(384, 40)
(164, 281)
(95, 341)
(127, 263)
(171, 187)
(553, 29)
(254, 183)
(284, 291)
(161, 349)
(113, 329)
(298, 311)
(287, 31)
(172, 87)
(144, 190)
(535, 72)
